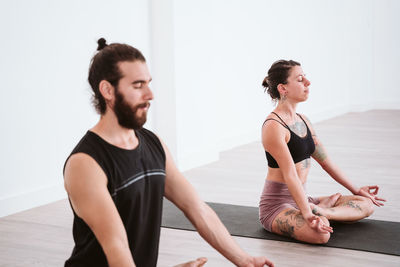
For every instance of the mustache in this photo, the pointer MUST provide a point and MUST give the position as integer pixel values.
(143, 105)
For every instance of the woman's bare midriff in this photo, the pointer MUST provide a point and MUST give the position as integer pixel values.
(302, 168)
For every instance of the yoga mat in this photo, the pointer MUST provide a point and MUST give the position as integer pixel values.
(366, 235)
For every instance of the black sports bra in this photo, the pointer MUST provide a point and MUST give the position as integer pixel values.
(300, 147)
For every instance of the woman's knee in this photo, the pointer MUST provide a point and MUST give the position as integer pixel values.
(315, 237)
(322, 238)
(318, 238)
(368, 207)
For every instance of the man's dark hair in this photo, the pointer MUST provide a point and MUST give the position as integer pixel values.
(104, 66)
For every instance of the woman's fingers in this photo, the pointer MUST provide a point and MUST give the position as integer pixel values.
(380, 199)
(320, 226)
(380, 202)
(376, 202)
(373, 187)
(326, 228)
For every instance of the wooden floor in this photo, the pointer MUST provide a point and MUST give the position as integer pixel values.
(365, 145)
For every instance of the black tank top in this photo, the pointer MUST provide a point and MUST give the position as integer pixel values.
(300, 147)
(136, 181)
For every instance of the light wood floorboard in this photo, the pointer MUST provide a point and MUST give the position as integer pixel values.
(365, 145)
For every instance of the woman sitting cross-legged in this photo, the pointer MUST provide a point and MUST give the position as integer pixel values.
(289, 141)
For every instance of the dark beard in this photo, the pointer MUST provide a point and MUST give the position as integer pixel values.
(126, 114)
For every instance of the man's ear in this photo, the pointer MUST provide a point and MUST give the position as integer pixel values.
(106, 90)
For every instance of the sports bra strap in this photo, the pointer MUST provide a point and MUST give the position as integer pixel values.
(276, 121)
(301, 117)
(302, 120)
(281, 119)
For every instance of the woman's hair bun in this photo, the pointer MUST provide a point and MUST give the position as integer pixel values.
(101, 44)
(265, 83)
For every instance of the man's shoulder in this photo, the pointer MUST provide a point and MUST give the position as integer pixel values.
(145, 131)
(148, 134)
(151, 138)
(88, 145)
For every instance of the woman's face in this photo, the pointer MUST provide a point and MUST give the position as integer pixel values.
(297, 85)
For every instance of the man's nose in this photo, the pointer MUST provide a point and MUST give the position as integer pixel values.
(149, 93)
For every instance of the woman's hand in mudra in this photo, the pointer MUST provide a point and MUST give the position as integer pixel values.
(371, 191)
(315, 222)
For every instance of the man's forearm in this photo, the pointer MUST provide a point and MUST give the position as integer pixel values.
(214, 232)
(118, 255)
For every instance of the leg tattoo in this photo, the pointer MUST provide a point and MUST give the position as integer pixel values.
(352, 205)
(299, 220)
(285, 228)
(290, 212)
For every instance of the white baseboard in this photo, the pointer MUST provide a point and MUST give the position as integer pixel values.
(16, 203)
(395, 104)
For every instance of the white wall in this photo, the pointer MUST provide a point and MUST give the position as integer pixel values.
(223, 50)
(386, 55)
(46, 47)
(207, 58)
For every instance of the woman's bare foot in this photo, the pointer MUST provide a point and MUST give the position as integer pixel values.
(324, 208)
(196, 263)
(330, 201)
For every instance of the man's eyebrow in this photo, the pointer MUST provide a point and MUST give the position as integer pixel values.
(141, 81)
(138, 81)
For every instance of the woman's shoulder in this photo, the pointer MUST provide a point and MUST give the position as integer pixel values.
(274, 127)
(274, 120)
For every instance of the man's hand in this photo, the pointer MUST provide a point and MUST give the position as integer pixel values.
(259, 262)
(196, 263)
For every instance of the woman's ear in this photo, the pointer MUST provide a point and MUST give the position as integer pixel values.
(281, 89)
(106, 90)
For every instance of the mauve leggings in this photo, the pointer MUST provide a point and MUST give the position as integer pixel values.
(274, 199)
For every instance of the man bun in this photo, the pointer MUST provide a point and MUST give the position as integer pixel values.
(101, 44)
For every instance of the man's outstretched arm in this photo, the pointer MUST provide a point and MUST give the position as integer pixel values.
(180, 192)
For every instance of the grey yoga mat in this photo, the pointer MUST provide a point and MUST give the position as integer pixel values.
(366, 235)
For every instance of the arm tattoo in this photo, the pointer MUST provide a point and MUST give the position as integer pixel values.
(319, 153)
(316, 212)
